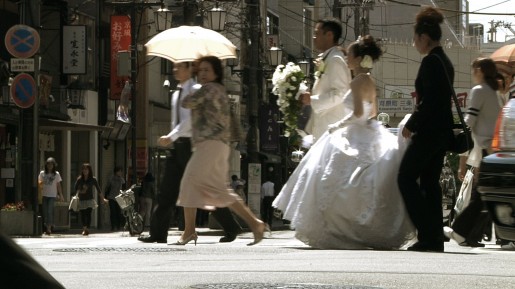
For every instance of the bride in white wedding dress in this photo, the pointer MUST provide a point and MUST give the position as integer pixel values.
(344, 194)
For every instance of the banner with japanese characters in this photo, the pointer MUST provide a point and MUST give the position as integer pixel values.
(120, 41)
(401, 100)
(74, 49)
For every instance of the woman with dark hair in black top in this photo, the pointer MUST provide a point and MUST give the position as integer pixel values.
(84, 187)
(430, 130)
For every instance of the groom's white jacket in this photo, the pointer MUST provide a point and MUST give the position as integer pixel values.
(327, 93)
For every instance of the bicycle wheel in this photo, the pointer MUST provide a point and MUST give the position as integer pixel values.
(448, 185)
(135, 224)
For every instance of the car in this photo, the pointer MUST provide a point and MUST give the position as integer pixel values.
(496, 183)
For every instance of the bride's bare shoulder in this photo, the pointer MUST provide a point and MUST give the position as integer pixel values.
(363, 80)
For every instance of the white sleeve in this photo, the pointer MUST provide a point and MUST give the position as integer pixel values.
(339, 81)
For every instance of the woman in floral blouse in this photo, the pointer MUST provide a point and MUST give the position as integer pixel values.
(204, 184)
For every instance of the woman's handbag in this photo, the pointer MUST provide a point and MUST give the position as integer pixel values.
(74, 204)
(463, 199)
(463, 136)
(462, 141)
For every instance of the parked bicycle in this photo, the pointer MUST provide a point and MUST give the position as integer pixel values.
(127, 200)
(449, 193)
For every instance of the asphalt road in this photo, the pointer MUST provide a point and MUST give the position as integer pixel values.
(113, 260)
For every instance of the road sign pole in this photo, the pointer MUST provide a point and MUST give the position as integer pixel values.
(35, 150)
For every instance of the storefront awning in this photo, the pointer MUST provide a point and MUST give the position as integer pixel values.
(54, 124)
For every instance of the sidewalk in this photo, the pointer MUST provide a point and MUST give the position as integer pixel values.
(210, 230)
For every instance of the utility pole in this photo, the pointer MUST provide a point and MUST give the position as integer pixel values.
(134, 76)
(357, 17)
(190, 11)
(251, 78)
(492, 32)
(250, 68)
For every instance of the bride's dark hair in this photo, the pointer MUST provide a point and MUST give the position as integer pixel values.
(366, 45)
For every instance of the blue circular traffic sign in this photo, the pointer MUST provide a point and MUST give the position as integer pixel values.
(23, 90)
(22, 41)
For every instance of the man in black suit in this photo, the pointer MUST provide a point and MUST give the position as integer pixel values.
(176, 163)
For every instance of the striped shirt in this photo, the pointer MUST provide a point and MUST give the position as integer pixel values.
(482, 112)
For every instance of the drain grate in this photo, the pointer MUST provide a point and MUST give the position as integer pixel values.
(277, 286)
(114, 249)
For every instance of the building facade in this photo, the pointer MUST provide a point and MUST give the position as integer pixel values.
(73, 118)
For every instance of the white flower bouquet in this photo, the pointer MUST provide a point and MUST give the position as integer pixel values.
(320, 64)
(289, 84)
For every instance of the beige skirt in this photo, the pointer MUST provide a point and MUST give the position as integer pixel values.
(205, 183)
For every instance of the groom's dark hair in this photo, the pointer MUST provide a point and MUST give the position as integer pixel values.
(333, 25)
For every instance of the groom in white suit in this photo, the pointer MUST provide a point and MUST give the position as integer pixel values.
(332, 79)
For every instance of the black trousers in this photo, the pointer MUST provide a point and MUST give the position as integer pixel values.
(472, 221)
(267, 212)
(423, 161)
(115, 215)
(169, 192)
(85, 216)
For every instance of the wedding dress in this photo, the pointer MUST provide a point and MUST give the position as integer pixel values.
(344, 193)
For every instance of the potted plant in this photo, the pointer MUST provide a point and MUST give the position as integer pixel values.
(15, 220)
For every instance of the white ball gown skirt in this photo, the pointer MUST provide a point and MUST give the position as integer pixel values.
(344, 193)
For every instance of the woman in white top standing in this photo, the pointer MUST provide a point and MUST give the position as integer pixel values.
(50, 181)
(484, 105)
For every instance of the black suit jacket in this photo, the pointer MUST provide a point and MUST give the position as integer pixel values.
(433, 115)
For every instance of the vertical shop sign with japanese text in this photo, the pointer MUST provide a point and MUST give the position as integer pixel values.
(269, 128)
(120, 41)
(74, 49)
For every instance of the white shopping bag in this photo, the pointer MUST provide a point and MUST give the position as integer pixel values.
(465, 191)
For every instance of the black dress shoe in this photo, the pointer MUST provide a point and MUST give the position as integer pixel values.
(150, 239)
(229, 237)
(473, 244)
(426, 247)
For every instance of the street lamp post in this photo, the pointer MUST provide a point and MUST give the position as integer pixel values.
(162, 18)
(275, 54)
(305, 67)
(216, 18)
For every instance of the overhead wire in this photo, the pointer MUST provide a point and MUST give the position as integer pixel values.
(455, 11)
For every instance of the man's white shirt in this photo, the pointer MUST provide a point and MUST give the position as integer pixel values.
(183, 129)
(267, 190)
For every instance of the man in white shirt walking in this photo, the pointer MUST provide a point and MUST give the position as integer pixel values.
(180, 138)
(267, 197)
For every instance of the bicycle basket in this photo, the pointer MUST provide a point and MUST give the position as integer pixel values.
(125, 199)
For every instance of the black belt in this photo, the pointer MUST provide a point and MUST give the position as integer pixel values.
(183, 140)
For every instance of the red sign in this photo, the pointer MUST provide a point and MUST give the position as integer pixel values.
(120, 41)
(23, 90)
(141, 160)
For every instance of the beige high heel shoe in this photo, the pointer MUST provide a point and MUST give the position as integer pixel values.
(258, 237)
(192, 237)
